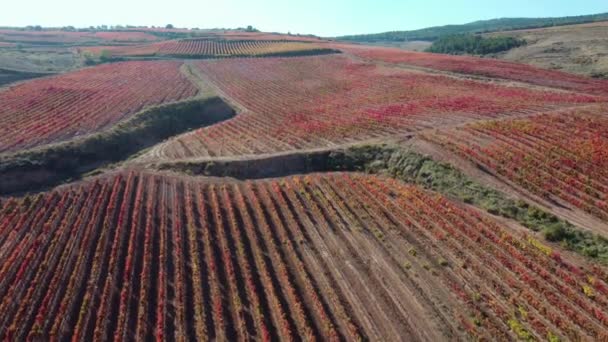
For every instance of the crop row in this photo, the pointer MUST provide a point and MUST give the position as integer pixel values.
(561, 155)
(487, 67)
(240, 35)
(312, 102)
(208, 48)
(57, 108)
(323, 256)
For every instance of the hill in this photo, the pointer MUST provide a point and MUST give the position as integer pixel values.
(581, 49)
(85, 101)
(372, 194)
(481, 26)
(324, 256)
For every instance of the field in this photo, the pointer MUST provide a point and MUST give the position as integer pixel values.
(333, 256)
(46, 59)
(58, 108)
(239, 35)
(302, 103)
(209, 48)
(65, 37)
(486, 67)
(367, 194)
(559, 156)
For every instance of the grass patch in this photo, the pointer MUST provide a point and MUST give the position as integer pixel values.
(415, 168)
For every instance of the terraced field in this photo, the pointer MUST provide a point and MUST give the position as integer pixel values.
(486, 67)
(560, 155)
(331, 256)
(125, 251)
(58, 108)
(212, 48)
(289, 104)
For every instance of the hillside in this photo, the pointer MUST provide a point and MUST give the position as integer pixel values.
(255, 186)
(581, 49)
(327, 256)
(482, 26)
(324, 101)
(61, 107)
(27, 53)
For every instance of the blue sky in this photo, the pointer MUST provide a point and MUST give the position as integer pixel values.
(326, 18)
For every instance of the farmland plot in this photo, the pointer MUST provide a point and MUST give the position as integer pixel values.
(486, 67)
(324, 256)
(210, 48)
(310, 102)
(559, 155)
(58, 108)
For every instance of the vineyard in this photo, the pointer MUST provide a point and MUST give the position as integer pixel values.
(486, 67)
(182, 190)
(58, 108)
(561, 155)
(239, 35)
(310, 102)
(210, 48)
(333, 256)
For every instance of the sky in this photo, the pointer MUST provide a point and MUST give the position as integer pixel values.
(321, 17)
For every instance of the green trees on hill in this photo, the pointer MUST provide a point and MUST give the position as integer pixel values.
(472, 44)
(481, 26)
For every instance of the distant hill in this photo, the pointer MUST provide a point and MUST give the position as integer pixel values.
(482, 26)
(581, 49)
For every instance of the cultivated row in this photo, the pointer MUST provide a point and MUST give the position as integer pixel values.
(299, 103)
(486, 67)
(324, 256)
(208, 48)
(561, 155)
(54, 109)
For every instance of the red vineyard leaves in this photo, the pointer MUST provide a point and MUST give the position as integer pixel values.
(486, 67)
(299, 103)
(326, 256)
(562, 155)
(58, 108)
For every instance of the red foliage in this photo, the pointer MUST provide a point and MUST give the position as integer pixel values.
(483, 67)
(298, 103)
(54, 109)
(561, 155)
(135, 254)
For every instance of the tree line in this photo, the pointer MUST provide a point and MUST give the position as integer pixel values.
(474, 44)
